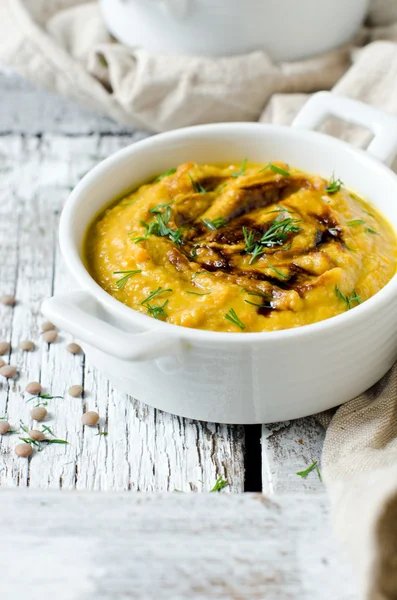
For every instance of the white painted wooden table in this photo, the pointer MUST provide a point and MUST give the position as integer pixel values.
(46, 144)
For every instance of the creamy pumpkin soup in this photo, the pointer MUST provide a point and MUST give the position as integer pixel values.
(241, 248)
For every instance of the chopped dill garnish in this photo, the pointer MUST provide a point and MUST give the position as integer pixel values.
(157, 311)
(120, 283)
(348, 299)
(279, 273)
(221, 187)
(170, 172)
(368, 213)
(160, 227)
(197, 187)
(370, 230)
(275, 169)
(219, 484)
(257, 304)
(276, 235)
(243, 168)
(312, 467)
(257, 251)
(355, 222)
(157, 209)
(102, 433)
(157, 292)
(334, 185)
(214, 224)
(198, 293)
(249, 238)
(233, 318)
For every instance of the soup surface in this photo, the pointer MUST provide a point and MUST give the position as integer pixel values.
(241, 248)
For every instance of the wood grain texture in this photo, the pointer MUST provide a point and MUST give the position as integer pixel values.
(175, 546)
(144, 449)
(288, 448)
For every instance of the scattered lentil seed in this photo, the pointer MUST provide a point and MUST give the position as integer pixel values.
(34, 388)
(38, 413)
(4, 427)
(26, 345)
(24, 450)
(8, 371)
(8, 300)
(50, 336)
(4, 347)
(75, 391)
(90, 418)
(73, 348)
(35, 434)
(47, 326)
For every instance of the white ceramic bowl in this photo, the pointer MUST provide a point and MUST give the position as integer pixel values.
(236, 377)
(285, 29)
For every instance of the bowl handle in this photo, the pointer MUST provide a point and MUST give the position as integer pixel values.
(75, 313)
(326, 104)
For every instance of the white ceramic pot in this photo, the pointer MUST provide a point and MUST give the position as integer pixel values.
(286, 29)
(236, 377)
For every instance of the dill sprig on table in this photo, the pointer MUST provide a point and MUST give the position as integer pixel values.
(219, 484)
(312, 467)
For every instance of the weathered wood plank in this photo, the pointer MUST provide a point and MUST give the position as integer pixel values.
(288, 448)
(176, 546)
(145, 449)
(27, 110)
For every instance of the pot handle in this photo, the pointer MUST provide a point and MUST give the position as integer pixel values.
(326, 104)
(75, 313)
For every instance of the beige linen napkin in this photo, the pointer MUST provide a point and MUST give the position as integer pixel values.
(63, 46)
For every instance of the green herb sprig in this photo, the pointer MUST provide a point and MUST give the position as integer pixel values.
(355, 222)
(219, 484)
(312, 467)
(334, 185)
(159, 226)
(275, 169)
(156, 311)
(44, 397)
(348, 299)
(276, 235)
(120, 283)
(198, 293)
(214, 223)
(233, 318)
(170, 172)
(242, 170)
(197, 187)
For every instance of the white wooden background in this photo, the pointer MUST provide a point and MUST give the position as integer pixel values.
(46, 144)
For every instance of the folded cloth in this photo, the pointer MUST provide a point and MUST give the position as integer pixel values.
(63, 46)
